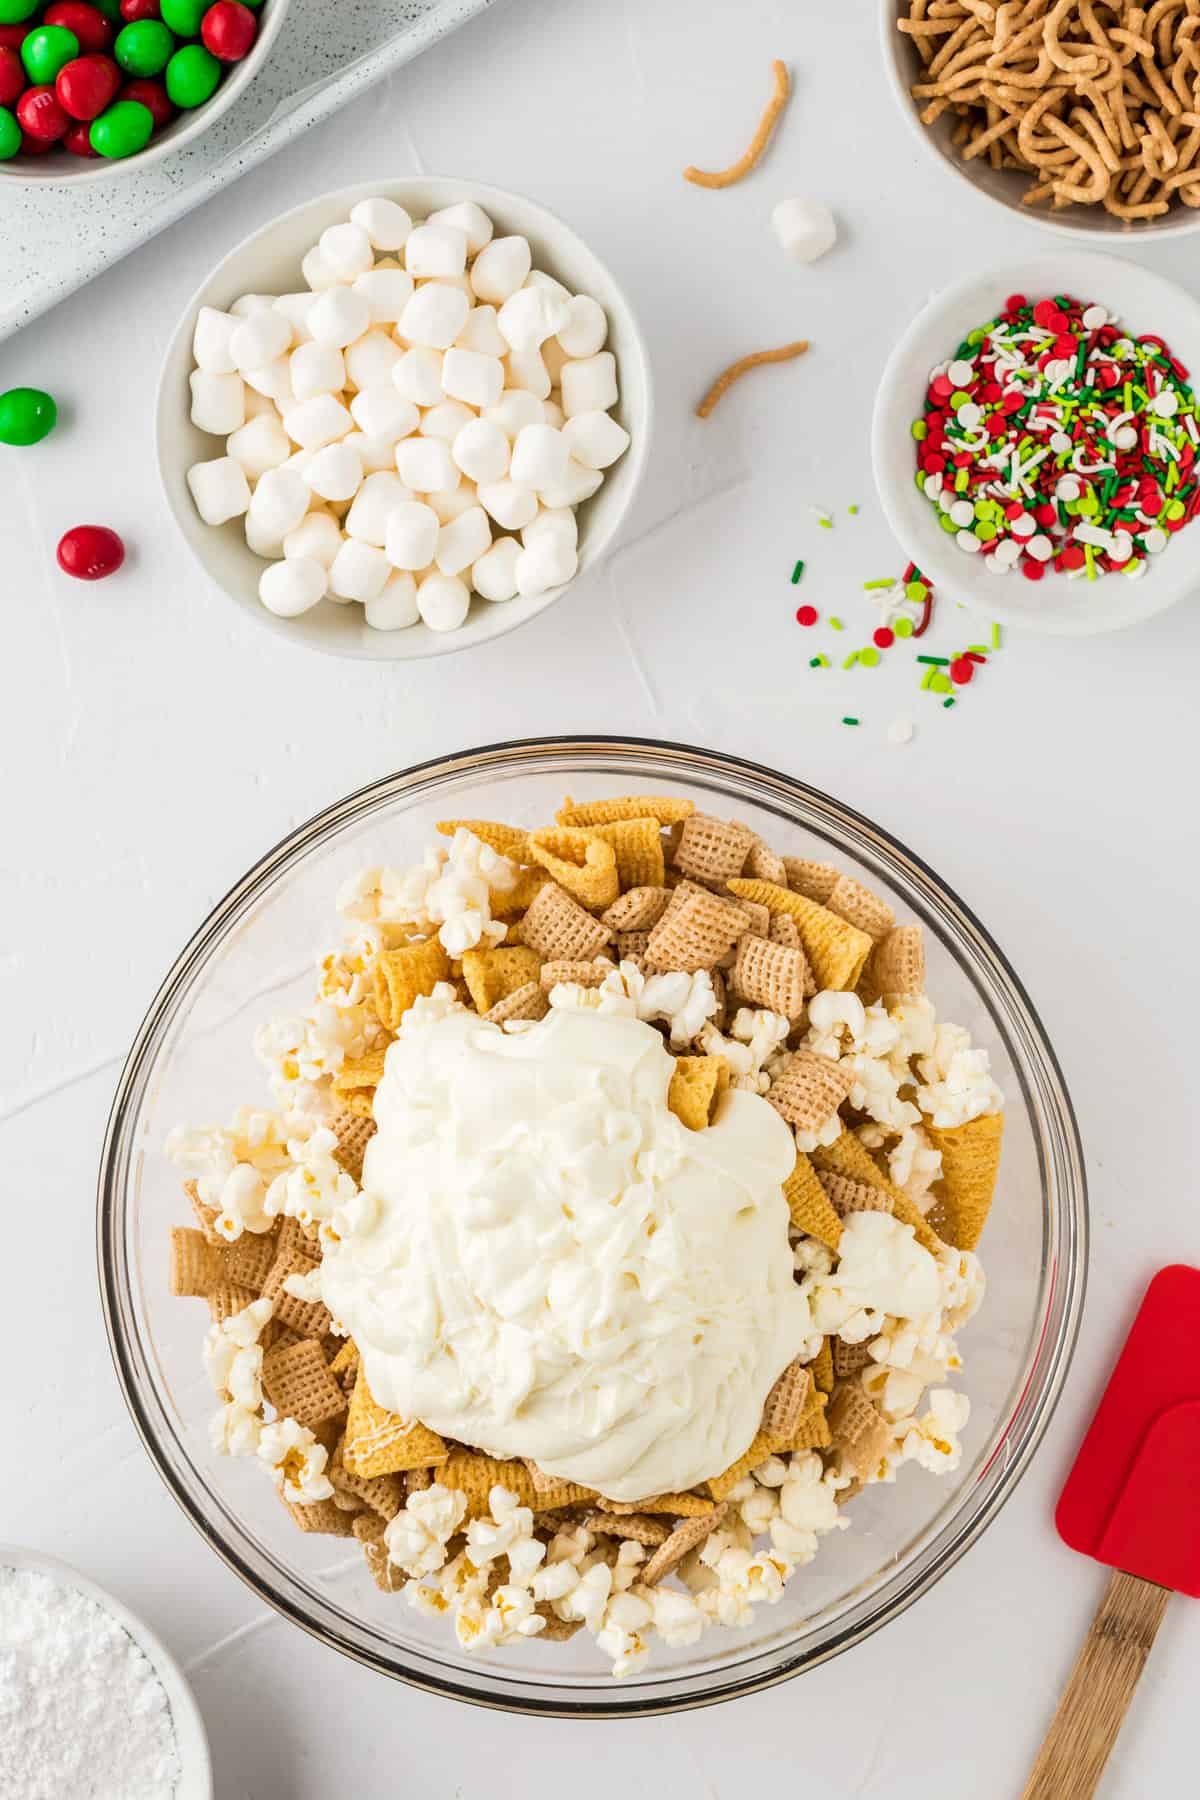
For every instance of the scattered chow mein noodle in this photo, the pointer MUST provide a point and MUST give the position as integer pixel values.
(736, 370)
(1097, 100)
(722, 178)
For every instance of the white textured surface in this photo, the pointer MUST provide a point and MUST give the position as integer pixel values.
(154, 744)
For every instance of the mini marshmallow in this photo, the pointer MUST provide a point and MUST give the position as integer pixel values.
(396, 606)
(451, 503)
(412, 535)
(434, 316)
(539, 278)
(494, 576)
(274, 380)
(317, 272)
(481, 451)
(257, 404)
(377, 499)
(219, 489)
(443, 602)
(470, 376)
(525, 369)
(262, 541)
(539, 457)
(378, 455)
(595, 439)
(218, 402)
(463, 541)
(553, 525)
(530, 316)
(418, 376)
(386, 224)
(316, 369)
(372, 359)
(548, 565)
(589, 384)
(386, 291)
(280, 501)
(336, 473)
(482, 333)
(359, 572)
(468, 218)
(425, 464)
(260, 339)
(259, 445)
(290, 588)
(445, 420)
(500, 268)
(316, 536)
(805, 229)
(435, 250)
(294, 308)
(552, 414)
(515, 408)
(511, 506)
(314, 423)
(383, 414)
(579, 485)
(210, 341)
(346, 249)
(249, 304)
(586, 327)
(338, 316)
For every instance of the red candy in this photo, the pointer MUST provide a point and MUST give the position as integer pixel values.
(133, 10)
(41, 117)
(12, 76)
(962, 669)
(79, 140)
(153, 96)
(806, 615)
(86, 86)
(13, 36)
(229, 30)
(90, 552)
(1032, 571)
(87, 22)
(31, 146)
(885, 637)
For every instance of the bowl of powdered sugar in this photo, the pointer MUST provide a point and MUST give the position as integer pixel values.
(91, 1703)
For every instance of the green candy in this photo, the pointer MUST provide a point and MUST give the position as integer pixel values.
(110, 8)
(144, 48)
(121, 131)
(15, 12)
(192, 76)
(46, 51)
(184, 16)
(10, 134)
(27, 415)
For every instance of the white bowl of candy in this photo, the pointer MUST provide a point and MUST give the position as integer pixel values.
(402, 418)
(1040, 462)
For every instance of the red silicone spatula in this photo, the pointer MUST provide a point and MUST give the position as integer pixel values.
(1133, 1502)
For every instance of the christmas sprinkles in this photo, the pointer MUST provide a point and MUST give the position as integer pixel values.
(1053, 439)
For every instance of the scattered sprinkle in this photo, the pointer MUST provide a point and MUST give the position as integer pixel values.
(819, 662)
(885, 637)
(836, 625)
(851, 659)
(938, 662)
(806, 615)
(848, 720)
(995, 636)
(853, 511)
(797, 572)
(868, 657)
(949, 702)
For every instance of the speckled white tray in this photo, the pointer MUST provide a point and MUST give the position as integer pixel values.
(53, 239)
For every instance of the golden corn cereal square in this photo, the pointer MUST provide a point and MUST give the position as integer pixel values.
(638, 849)
(663, 807)
(492, 975)
(809, 1204)
(378, 1442)
(580, 862)
(970, 1166)
(697, 1086)
(836, 950)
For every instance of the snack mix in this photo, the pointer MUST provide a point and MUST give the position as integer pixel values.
(611, 1228)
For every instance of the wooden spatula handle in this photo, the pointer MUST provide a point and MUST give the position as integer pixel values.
(1096, 1697)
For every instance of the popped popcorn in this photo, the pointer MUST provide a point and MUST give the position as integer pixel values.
(416, 1538)
(957, 1080)
(296, 1461)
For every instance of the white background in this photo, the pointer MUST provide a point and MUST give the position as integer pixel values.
(155, 743)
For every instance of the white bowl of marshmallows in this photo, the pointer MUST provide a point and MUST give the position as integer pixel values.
(401, 419)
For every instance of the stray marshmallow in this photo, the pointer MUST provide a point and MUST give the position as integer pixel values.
(540, 457)
(530, 316)
(435, 315)
(595, 439)
(210, 341)
(335, 473)
(386, 291)
(259, 445)
(260, 339)
(346, 249)
(386, 224)
(425, 464)
(468, 218)
(280, 501)
(470, 376)
(511, 506)
(589, 384)
(805, 229)
(586, 327)
(218, 402)
(396, 606)
(339, 316)
(316, 369)
(314, 423)
(443, 602)
(481, 451)
(463, 541)
(494, 576)
(548, 565)
(220, 489)
(372, 359)
(359, 572)
(500, 269)
(435, 251)
(383, 414)
(412, 535)
(418, 376)
(290, 588)
(376, 500)
(316, 536)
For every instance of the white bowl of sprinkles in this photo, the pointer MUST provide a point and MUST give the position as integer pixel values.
(123, 1731)
(1066, 604)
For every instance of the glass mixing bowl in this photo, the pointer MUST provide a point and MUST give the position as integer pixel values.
(192, 1061)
